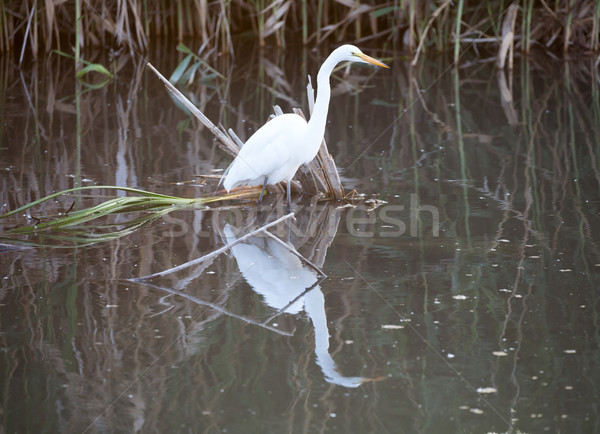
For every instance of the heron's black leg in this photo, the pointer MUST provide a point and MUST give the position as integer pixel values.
(289, 195)
(262, 191)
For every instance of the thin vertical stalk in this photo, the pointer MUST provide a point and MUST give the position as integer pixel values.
(35, 32)
(319, 19)
(526, 27)
(416, 226)
(596, 28)
(78, 92)
(461, 151)
(568, 27)
(579, 199)
(531, 168)
(412, 26)
(260, 14)
(146, 18)
(395, 25)
(77, 33)
(457, 30)
(69, 289)
(304, 23)
(596, 121)
(357, 29)
(3, 29)
(496, 24)
(190, 19)
(179, 21)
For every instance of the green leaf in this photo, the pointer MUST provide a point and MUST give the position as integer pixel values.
(180, 70)
(188, 77)
(94, 67)
(383, 103)
(182, 125)
(383, 11)
(184, 49)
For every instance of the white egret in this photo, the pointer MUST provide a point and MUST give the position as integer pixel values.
(276, 150)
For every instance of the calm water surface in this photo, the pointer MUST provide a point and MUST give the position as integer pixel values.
(463, 297)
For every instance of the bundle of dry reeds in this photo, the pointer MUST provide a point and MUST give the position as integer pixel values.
(38, 27)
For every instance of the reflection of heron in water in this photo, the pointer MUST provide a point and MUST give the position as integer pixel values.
(280, 277)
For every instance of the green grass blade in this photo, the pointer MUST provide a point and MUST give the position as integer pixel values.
(176, 76)
(73, 190)
(74, 226)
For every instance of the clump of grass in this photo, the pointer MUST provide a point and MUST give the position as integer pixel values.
(86, 226)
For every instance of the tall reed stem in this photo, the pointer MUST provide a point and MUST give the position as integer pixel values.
(457, 30)
(77, 34)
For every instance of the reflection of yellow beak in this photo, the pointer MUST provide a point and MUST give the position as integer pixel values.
(369, 59)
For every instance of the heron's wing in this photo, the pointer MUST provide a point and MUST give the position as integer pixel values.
(266, 151)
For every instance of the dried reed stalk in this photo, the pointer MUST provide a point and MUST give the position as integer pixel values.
(434, 15)
(508, 37)
(39, 27)
(224, 141)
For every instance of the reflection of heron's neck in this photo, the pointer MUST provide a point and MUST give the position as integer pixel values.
(314, 304)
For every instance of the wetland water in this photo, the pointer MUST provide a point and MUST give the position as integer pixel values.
(465, 299)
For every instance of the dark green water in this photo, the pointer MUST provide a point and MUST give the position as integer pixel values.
(466, 301)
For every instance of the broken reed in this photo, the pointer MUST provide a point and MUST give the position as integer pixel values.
(35, 28)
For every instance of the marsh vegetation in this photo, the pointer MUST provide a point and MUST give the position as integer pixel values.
(461, 288)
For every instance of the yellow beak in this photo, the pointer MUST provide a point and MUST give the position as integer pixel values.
(369, 59)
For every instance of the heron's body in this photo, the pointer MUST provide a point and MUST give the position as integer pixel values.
(263, 151)
(276, 150)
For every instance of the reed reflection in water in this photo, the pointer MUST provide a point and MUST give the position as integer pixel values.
(505, 296)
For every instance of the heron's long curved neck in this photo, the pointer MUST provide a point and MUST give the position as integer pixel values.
(318, 118)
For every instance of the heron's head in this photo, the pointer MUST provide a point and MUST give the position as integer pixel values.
(351, 53)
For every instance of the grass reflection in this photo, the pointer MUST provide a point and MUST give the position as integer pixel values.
(506, 294)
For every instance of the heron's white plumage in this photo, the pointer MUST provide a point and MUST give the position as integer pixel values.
(265, 153)
(276, 150)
